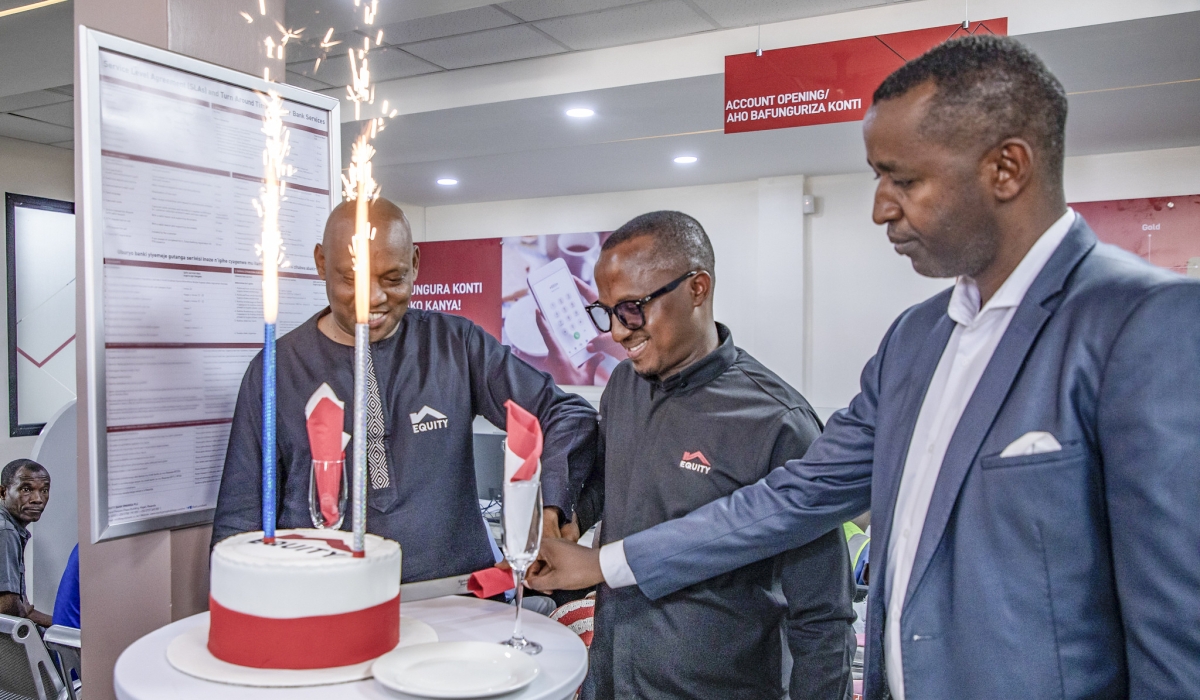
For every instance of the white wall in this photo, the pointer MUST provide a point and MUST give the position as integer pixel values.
(41, 171)
(859, 285)
(756, 230)
(811, 297)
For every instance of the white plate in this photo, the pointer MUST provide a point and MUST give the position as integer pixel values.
(189, 653)
(455, 670)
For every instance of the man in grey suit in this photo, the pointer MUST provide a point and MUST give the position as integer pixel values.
(1028, 442)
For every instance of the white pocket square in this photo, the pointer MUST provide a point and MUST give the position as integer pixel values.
(1032, 443)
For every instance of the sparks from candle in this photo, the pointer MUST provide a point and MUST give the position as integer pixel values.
(288, 34)
(276, 170)
(359, 186)
(359, 90)
(246, 16)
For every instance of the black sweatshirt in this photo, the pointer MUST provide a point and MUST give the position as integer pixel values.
(668, 448)
(436, 373)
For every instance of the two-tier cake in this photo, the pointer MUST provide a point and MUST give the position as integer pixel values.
(304, 602)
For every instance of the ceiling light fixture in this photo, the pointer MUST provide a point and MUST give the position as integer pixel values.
(580, 112)
(447, 181)
(685, 160)
(31, 6)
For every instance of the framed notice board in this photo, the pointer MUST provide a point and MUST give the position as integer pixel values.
(171, 163)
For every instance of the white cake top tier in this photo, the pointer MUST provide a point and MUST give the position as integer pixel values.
(304, 574)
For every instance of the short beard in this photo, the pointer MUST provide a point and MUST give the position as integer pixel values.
(968, 253)
(972, 256)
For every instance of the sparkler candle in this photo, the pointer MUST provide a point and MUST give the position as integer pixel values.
(271, 251)
(361, 187)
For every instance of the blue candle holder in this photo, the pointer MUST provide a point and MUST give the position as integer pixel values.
(269, 459)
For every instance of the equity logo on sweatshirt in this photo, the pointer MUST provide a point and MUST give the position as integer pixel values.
(695, 461)
(428, 419)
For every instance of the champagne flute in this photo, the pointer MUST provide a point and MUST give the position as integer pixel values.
(521, 510)
(327, 493)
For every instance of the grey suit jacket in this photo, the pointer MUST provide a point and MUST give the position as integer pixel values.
(1069, 574)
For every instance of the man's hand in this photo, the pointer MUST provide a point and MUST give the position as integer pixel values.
(570, 531)
(550, 529)
(39, 618)
(565, 566)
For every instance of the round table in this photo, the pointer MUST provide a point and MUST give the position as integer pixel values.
(143, 673)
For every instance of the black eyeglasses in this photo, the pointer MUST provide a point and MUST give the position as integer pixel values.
(630, 313)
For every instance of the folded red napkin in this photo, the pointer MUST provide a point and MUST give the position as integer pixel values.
(325, 416)
(490, 582)
(524, 441)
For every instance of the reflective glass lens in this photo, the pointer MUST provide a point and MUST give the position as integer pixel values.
(600, 317)
(630, 314)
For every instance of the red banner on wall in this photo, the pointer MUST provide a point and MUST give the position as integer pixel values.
(461, 278)
(825, 83)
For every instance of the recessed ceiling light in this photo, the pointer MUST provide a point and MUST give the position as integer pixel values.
(684, 160)
(580, 112)
(447, 181)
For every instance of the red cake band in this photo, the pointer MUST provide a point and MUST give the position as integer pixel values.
(323, 641)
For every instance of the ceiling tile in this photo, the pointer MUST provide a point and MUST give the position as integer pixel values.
(69, 145)
(626, 25)
(62, 114)
(449, 24)
(25, 100)
(309, 47)
(492, 46)
(302, 81)
(533, 10)
(27, 129)
(744, 13)
(384, 63)
(345, 15)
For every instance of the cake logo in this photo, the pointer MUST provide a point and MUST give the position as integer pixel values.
(428, 419)
(300, 544)
(695, 461)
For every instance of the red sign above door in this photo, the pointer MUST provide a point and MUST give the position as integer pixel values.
(824, 83)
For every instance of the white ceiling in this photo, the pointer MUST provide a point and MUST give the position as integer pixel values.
(484, 33)
(528, 148)
(36, 51)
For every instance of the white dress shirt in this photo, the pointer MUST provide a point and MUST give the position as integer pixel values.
(976, 334)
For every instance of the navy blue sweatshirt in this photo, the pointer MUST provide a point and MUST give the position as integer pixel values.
(436, 373)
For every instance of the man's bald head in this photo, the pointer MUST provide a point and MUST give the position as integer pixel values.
(385, 217)
(394, 264)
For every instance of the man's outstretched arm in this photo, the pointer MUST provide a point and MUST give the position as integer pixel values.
(792, 506)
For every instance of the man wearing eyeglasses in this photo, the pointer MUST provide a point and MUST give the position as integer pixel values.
(690, 418)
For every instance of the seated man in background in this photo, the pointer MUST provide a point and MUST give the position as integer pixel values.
(688, 418)
(429, 375)
(25, 491)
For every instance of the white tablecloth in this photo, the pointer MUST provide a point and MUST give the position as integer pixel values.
(143, 673)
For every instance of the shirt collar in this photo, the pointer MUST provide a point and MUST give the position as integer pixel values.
(706, 368)
(964, 300)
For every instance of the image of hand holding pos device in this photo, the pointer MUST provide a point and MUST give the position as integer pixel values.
(553, 288)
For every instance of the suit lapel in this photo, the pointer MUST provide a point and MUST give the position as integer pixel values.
(993, 388)
(890, 464)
